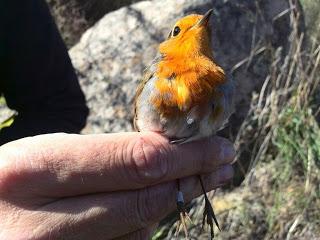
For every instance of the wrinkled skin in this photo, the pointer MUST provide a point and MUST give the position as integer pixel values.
(108, 186)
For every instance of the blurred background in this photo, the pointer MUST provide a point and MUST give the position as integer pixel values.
(272, 50)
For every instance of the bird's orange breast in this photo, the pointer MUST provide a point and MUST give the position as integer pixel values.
(184, 83)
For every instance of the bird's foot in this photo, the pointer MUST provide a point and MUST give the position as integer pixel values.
(184, 217)
(209, 217)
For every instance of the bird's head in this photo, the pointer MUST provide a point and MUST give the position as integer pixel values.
(189, 37)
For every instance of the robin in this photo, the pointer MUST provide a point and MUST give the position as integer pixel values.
(185, 95)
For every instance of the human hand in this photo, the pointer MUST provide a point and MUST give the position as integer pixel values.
(106, 186)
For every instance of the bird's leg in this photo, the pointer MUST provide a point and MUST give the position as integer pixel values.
(208, 213)
(182, 213)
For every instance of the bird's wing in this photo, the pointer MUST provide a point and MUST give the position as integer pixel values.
(148, 74)
(228, 90)
(225, 103)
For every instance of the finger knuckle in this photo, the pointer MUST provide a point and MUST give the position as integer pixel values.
(10, 155)
(20, 160)
(149, 161)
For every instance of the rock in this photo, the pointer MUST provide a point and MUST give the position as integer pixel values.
(111, 56)
(73, 17)
(70, 19)
(96, 9)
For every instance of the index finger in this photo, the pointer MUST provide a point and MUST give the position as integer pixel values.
(61, 165)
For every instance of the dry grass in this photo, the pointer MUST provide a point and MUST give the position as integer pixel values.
(311, 7)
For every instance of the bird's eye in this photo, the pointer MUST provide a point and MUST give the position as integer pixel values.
(176, 31)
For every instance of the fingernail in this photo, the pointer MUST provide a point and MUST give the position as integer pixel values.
(227, 151)
(225, 174)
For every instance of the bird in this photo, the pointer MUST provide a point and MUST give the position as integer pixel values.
(185, 95)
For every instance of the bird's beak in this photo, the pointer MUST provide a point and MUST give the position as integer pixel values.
(205, 19)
